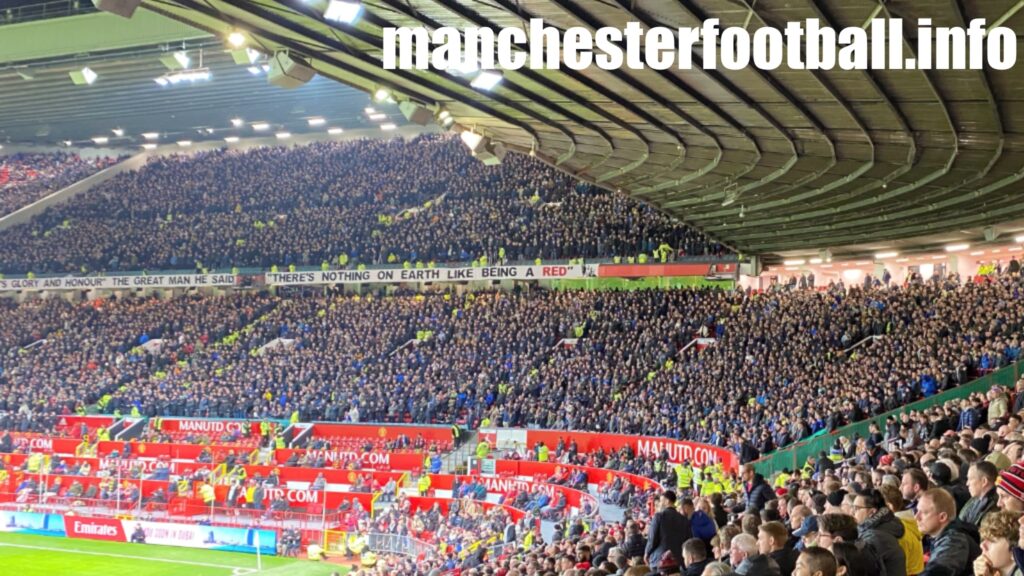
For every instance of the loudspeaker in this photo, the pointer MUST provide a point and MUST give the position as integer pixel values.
(990, 234)
(288, 72)
(492, 154)
(415, 113)
(123, 8)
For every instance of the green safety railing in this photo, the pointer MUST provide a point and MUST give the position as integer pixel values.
(795, 456)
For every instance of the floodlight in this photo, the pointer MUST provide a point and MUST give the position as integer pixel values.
(344, 11)
(486, 80)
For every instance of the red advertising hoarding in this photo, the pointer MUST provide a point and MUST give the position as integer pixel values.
(678, 450)
(502, 485)
(209, 427)
(382, 431)
(109, 529)
(375, 460)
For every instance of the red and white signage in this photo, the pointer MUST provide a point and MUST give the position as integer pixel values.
(677, 450)
(94, 528)
(203, 426)
(368, 460)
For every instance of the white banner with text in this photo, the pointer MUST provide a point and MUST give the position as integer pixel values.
(399, 275)
(118, 282)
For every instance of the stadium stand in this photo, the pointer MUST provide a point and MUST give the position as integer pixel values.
(27, 177)
(349, 203)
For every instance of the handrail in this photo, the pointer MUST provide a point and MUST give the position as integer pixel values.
(872, 338)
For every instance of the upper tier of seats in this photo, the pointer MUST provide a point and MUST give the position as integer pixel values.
(27, 177)
(363, 201)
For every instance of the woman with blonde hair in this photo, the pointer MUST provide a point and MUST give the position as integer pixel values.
(1000, 531)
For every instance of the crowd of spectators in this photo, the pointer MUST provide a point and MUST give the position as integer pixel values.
(780, 367)
(82, 352)
(940, 492)
(341, 204)
(26, 177)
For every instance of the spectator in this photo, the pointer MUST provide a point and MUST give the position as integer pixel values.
(747, 561)
(668, 531)
(879, 529)
(953, 549)
(773, 541)
(981, 482)
(815, 561)
(1000, 532)
(695, 557)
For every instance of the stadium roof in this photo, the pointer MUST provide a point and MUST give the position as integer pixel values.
(784, 162)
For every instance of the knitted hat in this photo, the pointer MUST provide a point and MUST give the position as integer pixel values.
(999, 460)
(1012, 480)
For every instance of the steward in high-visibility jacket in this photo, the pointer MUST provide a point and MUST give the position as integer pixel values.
(684, 476)
(208, 494)
(542, 453)
(356, 544)
(483, 449)
(710, 486)
(423, 485)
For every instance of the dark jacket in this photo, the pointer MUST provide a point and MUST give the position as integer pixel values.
(953, 553)
(635, 546)
(669, 529)
(757, 494)
(959, 493)
(976, 508)
(758, 565)
(786, 559)
(881, 533)
(697, 568)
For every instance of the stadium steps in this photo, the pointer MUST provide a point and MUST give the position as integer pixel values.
(25, 213)
(458, 457)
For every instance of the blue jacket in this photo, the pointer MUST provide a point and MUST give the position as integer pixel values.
(702, 526)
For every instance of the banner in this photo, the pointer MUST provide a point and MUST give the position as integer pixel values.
(499, 485)
(720, 270)
(39, 443)
(368, 460)
(204, 426)
(398, 275)
(311, 501)
(32, 523)
(677, 450)
(168, 534)
(118, 282)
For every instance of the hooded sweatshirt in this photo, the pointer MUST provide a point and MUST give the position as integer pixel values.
(882, 532)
